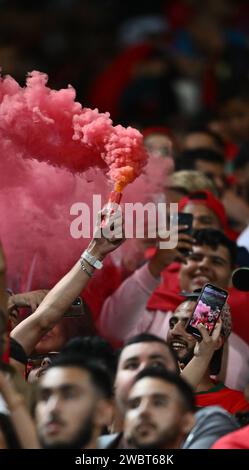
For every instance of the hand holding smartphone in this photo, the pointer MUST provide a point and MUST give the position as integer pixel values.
(182, 218)
(207, 310)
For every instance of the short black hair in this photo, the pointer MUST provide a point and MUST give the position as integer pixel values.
(144, 338)
(94, 348)
(149, 338)
(214, 238)
(100, 377)
(188, 158)
(183, 387)
(202, 129)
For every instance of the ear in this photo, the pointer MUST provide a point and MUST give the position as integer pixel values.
(188, 422)
(104, 412)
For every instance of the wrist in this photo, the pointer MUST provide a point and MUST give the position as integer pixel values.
(94, 250)
(91, 259)
(86, 267)
(204, 357)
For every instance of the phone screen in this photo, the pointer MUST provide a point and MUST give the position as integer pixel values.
(208, 309)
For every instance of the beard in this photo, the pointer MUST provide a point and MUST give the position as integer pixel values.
(79, 441)
(166, 439)
(187, 357)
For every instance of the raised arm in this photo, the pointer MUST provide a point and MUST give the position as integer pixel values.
(20, 417)
(194, 371)
(59, 299)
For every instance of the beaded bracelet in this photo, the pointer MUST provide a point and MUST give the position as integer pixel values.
(83, 267)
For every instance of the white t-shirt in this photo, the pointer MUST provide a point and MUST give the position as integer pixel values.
(243, 239)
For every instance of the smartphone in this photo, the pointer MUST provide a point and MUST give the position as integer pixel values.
(207, 310)
(183, 218)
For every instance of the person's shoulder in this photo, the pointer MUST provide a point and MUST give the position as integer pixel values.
(212, 422)
(227, 391)
(238, 343)
(212, 411)
(238, 439)
(172, 268)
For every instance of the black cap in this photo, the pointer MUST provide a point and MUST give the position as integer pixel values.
(240, 279)
(191, 295)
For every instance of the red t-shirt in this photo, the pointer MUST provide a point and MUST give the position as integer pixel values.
(231, 400)
(104, 283)
(234, 440)
(166, 297)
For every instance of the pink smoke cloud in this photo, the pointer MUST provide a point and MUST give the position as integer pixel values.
(54, 153)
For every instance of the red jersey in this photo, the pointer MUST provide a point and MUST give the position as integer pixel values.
(234, 440)
(231, 400)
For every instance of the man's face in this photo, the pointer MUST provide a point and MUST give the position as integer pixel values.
(155, 417)
(181, 342)
(214, 171)
(135, 358)
(158, 145)
(204, 265)
(203, 217)
(65, 408)
(52, 341)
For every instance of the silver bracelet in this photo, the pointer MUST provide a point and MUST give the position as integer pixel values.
(92, 260)
(83, 267)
